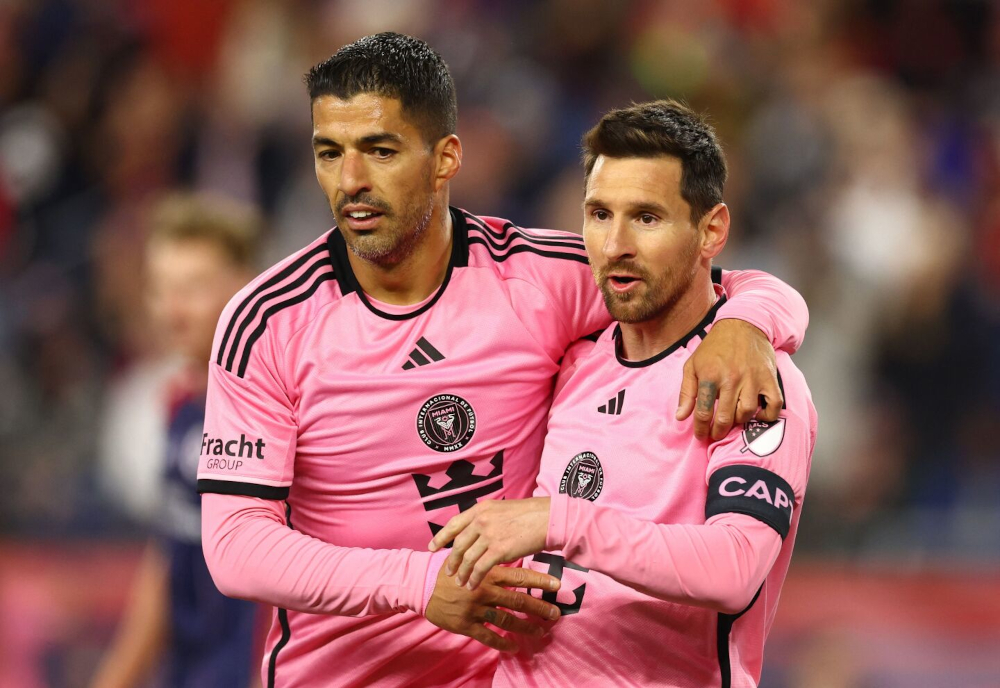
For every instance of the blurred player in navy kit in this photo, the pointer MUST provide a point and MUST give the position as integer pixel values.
(201, 251)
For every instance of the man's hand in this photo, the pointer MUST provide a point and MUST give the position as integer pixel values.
(490, 533)
(735, 363)
(455, 608)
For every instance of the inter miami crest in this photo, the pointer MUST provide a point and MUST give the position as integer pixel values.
(446, 422)
(763, 438)
(584, 477)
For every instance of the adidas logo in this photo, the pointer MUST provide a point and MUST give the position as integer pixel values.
(419, 355)
(614, 405)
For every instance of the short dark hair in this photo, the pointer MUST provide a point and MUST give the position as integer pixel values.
(664, 127)
(392, 66)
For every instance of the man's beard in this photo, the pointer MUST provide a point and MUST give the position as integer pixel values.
(660, 293)
(396, 239)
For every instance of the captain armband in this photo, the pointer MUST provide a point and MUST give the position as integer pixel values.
(753, 491)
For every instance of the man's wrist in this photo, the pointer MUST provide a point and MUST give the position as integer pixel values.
(556, 534)
(434, 565)
(747, 318)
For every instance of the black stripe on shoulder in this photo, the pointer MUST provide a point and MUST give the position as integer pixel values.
(281, 305)
(270, 296)
(231, 487)
(569, 236)
(502, 240)
(526, 248)
(289, 270)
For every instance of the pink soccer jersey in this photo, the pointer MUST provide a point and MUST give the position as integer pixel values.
(376, 424)
(671, 550)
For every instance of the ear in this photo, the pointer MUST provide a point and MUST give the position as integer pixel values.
(714, 231)
(448, 154)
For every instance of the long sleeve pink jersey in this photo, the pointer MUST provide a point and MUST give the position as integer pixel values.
(342, 433)
(671, 550)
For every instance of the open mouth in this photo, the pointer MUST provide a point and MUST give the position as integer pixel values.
(362, 219)
(623, 283)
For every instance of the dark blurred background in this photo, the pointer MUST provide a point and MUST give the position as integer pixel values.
(864, 145)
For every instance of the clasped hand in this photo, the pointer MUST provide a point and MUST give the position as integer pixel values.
(490, 533)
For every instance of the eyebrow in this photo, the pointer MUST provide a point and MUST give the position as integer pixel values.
(371, 139)
(633, 207)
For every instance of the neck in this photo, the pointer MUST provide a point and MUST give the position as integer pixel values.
(419, 274)
(646, 339)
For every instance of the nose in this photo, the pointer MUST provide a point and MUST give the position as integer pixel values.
(353, 174)
(619, 244)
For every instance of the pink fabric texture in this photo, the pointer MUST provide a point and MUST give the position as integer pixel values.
(662, 541)
(340, 433)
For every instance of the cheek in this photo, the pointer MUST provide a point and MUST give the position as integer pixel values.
(327, 179)
(593, 241)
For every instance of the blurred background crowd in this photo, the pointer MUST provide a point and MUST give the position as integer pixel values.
(863, 138)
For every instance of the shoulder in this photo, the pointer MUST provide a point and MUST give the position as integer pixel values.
(282, 296)
(518, 250)
(798, 397)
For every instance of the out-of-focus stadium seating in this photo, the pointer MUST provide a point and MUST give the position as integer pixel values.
(864, 145)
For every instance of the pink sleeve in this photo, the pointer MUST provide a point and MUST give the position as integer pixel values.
(765, 301)
(252, 554)
(718, 566)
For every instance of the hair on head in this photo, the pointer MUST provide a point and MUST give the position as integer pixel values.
(393, 66)
(670, 128)
(234, 227)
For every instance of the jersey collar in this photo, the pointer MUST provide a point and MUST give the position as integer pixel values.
(348, 282)
(697, 331)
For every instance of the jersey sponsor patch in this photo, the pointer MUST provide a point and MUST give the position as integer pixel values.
(225, 453)
(584, 477)
(753, 491)
(446, 422)
(763, 438)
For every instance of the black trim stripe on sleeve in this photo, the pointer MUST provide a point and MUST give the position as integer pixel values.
(232, 487)
(525, 248)
(723, 632)
(259, 330)
(274, 281)
(252, 314)
(754, 491)
(286, 629)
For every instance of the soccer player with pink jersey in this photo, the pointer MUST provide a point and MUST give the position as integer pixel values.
(395, 372)
(671, 549)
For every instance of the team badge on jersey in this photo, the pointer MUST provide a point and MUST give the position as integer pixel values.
(446, 422)
(584, 477)
(763, 438)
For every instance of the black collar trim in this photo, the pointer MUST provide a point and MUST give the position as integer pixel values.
(697, 331)
(349, 282)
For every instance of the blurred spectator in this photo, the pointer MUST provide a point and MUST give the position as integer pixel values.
(200, 252)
